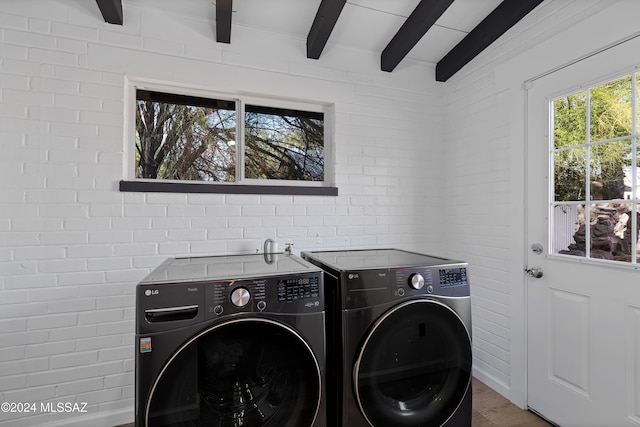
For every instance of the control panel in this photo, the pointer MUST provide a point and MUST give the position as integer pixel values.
(290, 294)
(450, 280)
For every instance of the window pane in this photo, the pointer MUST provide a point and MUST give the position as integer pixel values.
(283, 144)
(570, 120)
(567, 238)
(184, 138)
(610, 106)
(570, 174)
(629, 183)
(608, 164)
(611, 231)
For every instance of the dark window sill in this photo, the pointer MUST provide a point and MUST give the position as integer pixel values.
(189, 187)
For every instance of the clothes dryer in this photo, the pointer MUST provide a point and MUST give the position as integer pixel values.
(231, 341)
(401, 337)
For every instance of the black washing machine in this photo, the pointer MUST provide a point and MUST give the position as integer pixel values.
(231, 341)
(401, 336)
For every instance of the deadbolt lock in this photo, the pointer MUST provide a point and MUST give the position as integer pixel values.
(537, 248)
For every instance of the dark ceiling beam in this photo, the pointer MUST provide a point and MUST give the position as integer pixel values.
(223, 20)
(417, 24)
(111, 11)
(326, 18)
(503, 17)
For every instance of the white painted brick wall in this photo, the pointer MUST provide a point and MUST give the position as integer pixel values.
(72, 248)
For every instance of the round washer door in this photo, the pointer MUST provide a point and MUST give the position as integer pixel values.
(245, 372)
(414, 366)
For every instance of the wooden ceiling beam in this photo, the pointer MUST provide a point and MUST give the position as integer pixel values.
(223, 20)
(503, 17)
(417, 24)
(323, 24)
(111, 11)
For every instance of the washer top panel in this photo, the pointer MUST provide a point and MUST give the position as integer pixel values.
(350, 260)
(196, 269)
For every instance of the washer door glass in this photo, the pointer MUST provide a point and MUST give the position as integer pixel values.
(249, 372)
(414, 366)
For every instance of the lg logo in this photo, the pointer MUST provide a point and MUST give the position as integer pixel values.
(150, 292)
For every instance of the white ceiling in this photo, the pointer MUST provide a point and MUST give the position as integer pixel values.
(365, 24)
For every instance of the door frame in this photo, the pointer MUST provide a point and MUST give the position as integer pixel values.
(513, 78)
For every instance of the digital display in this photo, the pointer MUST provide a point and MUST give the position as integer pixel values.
(453, 277)
(298, 288)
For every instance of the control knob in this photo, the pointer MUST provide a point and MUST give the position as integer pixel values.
(416, 281)
(240, 297)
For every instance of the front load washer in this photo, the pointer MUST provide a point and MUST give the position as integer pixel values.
(231, 341)
(402, 334)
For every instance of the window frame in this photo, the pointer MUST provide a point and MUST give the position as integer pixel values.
(242, 185)
(588, 144)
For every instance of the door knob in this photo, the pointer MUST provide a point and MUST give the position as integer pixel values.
(535, 272)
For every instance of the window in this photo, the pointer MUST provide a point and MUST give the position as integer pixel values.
(283, 144)
(596, 183)
(182, 140)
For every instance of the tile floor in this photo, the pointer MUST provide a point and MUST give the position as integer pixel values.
(490, 409)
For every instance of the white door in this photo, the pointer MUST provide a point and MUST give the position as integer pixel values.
(583, 316)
